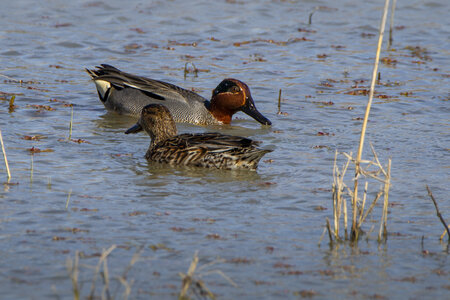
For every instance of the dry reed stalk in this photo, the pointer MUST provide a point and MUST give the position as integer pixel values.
(68, 198)
(101, 260)
(438, 213)
(330, 232)
(31, 169)
(72, 268)
(127, 286)
(361, 210)
(372, 205)
(71, 122)
(311, 14)
(321, 237)
(191, 281)
(391, 24)
(187, 71)
(383, 225)
(4, 157)
(335, 195)
(105, 276)
(344, 202)
(338, 198)
(279, 101)
(188, 278)
(123, 277)
(366, 116)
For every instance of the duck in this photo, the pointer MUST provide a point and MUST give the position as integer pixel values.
(127, 94)
(207, 150)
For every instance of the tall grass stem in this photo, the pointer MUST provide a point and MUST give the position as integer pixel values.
(366, 115)
(391, 24)
(71, 122)
(8, 173)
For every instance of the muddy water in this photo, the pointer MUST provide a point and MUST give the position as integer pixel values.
(85, 195)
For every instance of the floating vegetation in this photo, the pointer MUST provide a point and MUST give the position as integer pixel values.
(214, 236)
(64, 103)
(388, 61)
(323, 103)
(63, 25)
(306, 30)
(133, 46)
(34, 150)
(255, 58)
(419, 52)
(161, 246)
(136, 213)
(40, 107)
(138, 30)
(269, 41)
(7, 96)
(36, 137)
(323, 133)
(175, 43)
(367, 35)
(358, 92)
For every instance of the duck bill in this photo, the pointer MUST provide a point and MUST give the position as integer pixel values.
(135, 129)
(250, 109)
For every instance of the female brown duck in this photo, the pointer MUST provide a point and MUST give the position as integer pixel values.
(210, 150)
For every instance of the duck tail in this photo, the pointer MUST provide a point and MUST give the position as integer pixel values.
(91, 73)
(251, 159)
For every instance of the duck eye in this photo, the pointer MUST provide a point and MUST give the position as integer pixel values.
(235, 89)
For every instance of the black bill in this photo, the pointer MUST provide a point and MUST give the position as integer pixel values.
(250, 109)
(135, 129)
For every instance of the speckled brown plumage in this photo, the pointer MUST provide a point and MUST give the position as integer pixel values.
(211, 150)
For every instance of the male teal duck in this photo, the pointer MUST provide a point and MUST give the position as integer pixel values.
(127, 94)
(209, 150)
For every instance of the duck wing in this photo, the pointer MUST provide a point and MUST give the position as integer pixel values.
(217, 142)
(155, 89)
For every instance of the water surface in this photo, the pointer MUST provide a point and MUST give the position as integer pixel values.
(265, 225)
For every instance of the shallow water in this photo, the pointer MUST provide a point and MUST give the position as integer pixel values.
(266, 225)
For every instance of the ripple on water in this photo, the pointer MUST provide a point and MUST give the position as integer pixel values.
(265, 225)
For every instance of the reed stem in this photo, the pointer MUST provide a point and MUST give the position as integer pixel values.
(71, 122)
(31, 169)
(366, 116)
(279, 101)
(438, 213)
(383, 223)
(102, 259)
(391, 23)
(330, 234)
(188, 278)
(68, 198)
(5, 158)
(72, 268)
